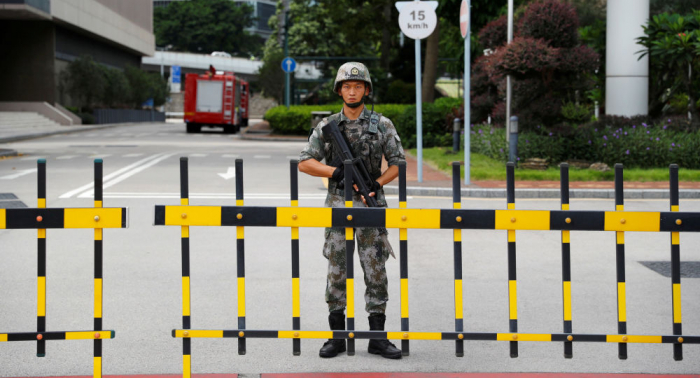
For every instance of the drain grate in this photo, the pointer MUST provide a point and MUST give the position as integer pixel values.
(10, 201)
(689, 269)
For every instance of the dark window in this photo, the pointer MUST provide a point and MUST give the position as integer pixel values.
(265, 11)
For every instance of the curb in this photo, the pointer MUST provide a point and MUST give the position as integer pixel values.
(543, 193)
(271, 139)
(18, 138)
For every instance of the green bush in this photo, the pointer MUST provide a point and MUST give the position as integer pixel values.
(437, 120)
(636, 146)
(86, 118)
(400, 92)
(297, 119)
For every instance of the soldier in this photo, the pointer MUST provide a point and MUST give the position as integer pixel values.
(370, 136)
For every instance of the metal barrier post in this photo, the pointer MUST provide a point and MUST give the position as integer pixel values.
(676, 264)
(620, 263)
(240, 252)
(185, 246)
(512, 278)
(403, 261)
(296, 302)
(566, 259)
(459, 308)
(41, 261)
(349, 262)
(97, 354)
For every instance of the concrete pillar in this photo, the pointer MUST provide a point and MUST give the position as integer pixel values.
(627, 79)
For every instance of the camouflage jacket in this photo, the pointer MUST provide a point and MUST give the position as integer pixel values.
(370, 138)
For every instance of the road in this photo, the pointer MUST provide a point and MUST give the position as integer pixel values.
(142, 276)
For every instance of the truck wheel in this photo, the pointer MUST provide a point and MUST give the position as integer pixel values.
(193, 128)
(245, 122)
(229, 129)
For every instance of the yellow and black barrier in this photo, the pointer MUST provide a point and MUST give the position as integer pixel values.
(457, 219)
(43, 218)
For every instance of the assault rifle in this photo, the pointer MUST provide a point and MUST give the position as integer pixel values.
(360, 174)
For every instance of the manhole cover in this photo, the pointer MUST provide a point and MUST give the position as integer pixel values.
(689, 269)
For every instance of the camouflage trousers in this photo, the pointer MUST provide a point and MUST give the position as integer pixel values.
(373, 256)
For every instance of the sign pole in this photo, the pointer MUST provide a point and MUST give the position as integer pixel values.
(467, 92)
(418, 20)
(419, 112)
(286, 54)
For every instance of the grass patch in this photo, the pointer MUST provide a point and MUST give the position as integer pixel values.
(486, 168)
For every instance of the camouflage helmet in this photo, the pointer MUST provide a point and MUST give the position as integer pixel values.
(352, 71)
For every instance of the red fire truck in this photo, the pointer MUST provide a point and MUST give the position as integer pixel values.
(216, 100)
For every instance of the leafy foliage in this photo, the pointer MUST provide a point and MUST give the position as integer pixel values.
(629, 141)
(203, 26)
(297, 119)
(525, 57)
(91, 85)
(673, 44)
(545, 59)
(554, 22)
(84, 81)
(495, 33)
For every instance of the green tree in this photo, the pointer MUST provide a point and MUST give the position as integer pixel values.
(203, 26)
(84, 81)
(117, 91)
(673, 45)
(146, 85)
(270, 74)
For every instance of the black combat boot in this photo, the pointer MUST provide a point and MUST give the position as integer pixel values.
(383, 347)
(331, 348)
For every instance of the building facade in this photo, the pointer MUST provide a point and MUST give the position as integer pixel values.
(39, 38)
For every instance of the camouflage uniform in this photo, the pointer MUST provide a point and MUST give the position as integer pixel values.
(371, 136)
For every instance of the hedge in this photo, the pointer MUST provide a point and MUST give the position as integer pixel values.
(297, 119)
(437, 120)
(639, 145)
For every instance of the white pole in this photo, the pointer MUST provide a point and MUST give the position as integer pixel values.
(419, 113)
(467, 104)
(508, 81)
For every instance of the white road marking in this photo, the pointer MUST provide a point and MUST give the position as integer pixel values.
(33, 158)
(101, 156)
(18, 174)
(262, 157)
(229, 156)
(116, 180)
(231, 173)
(66, 157)
(109, 176)
(292, 157)
(197, 155)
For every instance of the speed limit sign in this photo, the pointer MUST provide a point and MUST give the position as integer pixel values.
(417, 19)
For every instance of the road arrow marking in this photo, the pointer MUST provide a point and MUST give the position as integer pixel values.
(18, 174)
(230, 174)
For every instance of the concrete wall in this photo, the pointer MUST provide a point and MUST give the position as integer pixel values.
(29, 74)
(122, 22)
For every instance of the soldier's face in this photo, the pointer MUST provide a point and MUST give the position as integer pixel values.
(353, 91)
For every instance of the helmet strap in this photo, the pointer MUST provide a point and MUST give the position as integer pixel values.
(356, 104)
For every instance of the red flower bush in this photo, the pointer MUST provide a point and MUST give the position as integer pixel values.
(551, 20)
(577, 59)
(495, 33)
(524, 57)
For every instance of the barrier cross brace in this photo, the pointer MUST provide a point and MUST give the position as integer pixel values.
(42, 218)
(456, 219)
